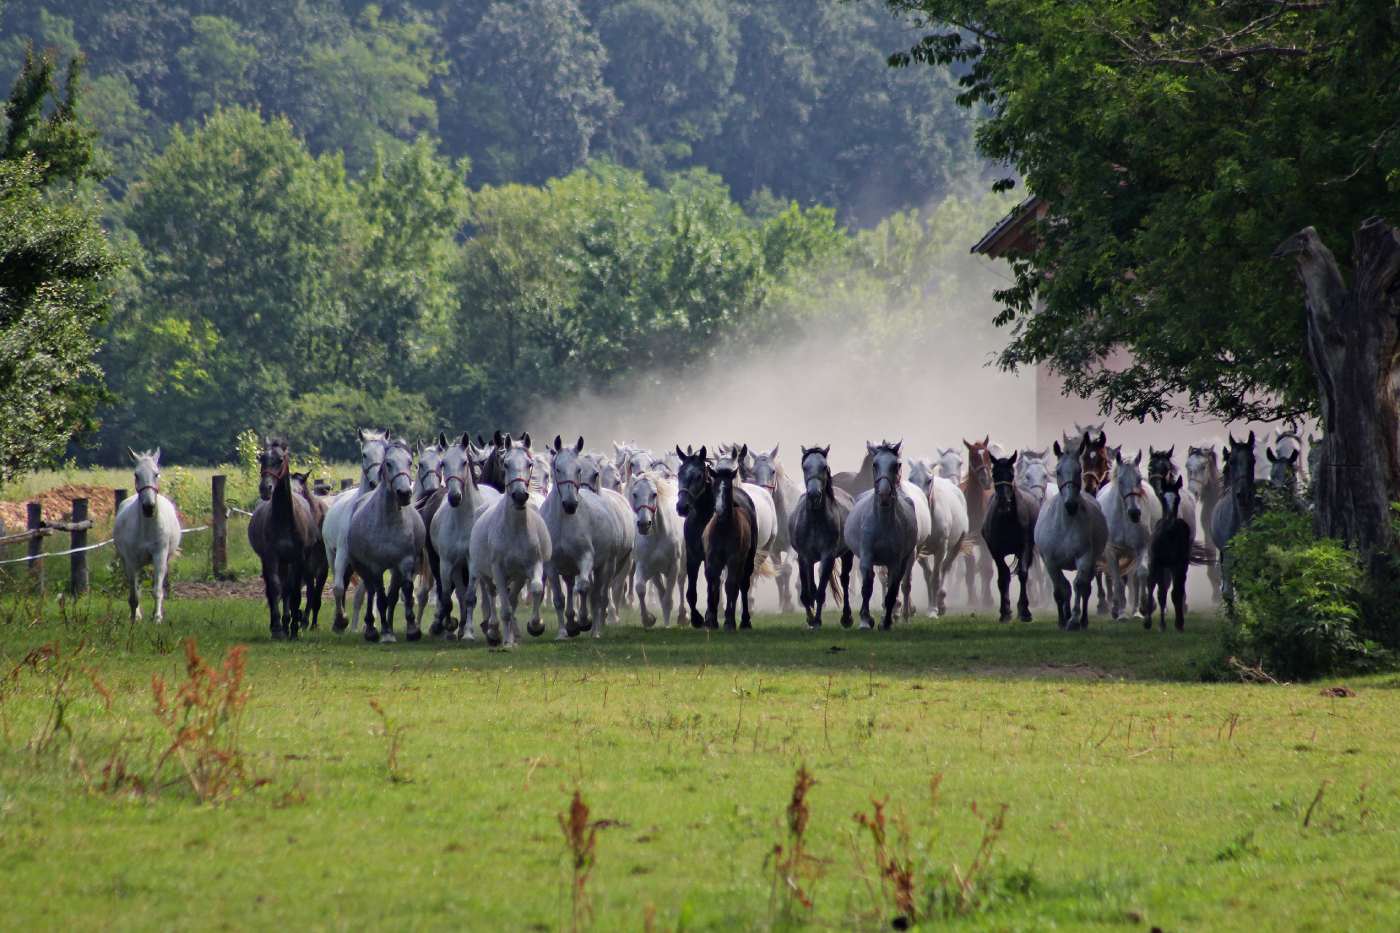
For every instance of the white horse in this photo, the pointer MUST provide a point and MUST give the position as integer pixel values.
(510, 546)
(950, 464)
(146, 531)
(1132, 511)
(451, 533)
(335, 530)
(1071, 535)
(659, 552)
(767, 472)
(387, 535)
(591, 542)
(947, 526)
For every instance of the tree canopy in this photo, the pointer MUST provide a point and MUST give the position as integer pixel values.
(1176, 146)
(55, 269)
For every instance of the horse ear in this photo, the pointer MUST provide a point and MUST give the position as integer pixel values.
(773, 454)
(525, 439)
(826, 451)
(558, 444)
(1118, 456)
(1293, 458)
(578, 448)
(1251, 438)
(1014, 455)
(1269, 452)
(1058, 451)
(498, 439)
(870, 448)
(897, 444)
(1137, 461)
(360, 435)
(1171, 451)
(1084, 442)
(680, 453)
(156, 456)
(743, 453)
(987, 441)
(133, 454)
(466, 442)
(702, 452)
(442, 439)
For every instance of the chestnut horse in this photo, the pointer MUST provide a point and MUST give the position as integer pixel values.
(977, 489)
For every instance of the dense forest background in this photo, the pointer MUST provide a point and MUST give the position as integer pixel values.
(428, 214)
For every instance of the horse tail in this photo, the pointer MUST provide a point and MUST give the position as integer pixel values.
(1200, 554)
(764, 566)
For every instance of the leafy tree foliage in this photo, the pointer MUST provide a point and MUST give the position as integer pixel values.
(1177, 145)
(55, 265)
(780, 96)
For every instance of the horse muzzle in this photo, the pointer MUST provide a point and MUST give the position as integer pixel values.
(1072, 505)
(519, 497)
(404, 497)
(265, 491)
(1135, 515)
(643, 526)
(454, 498)
(570, 506)
(683, 504)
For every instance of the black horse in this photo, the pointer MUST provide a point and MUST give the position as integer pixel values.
(695, 502)
(1170, 558)
(1008, 529)
(286, 536)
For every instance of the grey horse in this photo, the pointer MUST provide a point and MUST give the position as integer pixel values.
(387, 535)
(146, 531)
(1071, 534)
(336, 528)
(816, 528)
(510, 546)
(883, 531)
(591, 537)
(1238, 504)
(658, 554)
(428, 495)
(451, 533)
(1204, 483)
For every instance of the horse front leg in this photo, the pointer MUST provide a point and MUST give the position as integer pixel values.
(692, 573)
(712, 594)
(536, 586)
(295, 572)
(898, 576)
(272, 591)
(1178, 600)
(733, 583)
(1083, 583)
(847, 563)
(412, 613)
(1023, 571)
(340, 582)
(160, 567)
(133, 592)
(639, 586)
(784, 583)
(806, 592)
(1003, 587)
(554, 580)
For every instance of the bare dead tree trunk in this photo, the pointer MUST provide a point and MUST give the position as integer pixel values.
(1354, 351)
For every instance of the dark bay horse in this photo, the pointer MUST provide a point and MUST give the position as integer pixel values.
(816, 530)
(977, 489)
(1008, 530)
(731, 545)
(860, 481)
(1096, 459)
(317, 567)
(283, 532)
(695, 502)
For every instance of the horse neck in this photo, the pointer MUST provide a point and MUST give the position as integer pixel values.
(283, 511)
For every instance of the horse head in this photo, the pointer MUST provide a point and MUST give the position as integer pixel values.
(816, 475)
(1094, 456)
(1170, 494)
(764, 469)
(726, 474)
(693, 477)
(1239, 472)
(885, 467)
(1127, 485)
(371, 456)
(517, 465)
(430, 465)
(147, 479)
(394, 471)
(458, 469)
(950, 464)
(1004, 482)
(645, 501)
(1283, 468)
(565, 470)
(1160, 468)
(1069, 474)
(274, 463)
(979, 462)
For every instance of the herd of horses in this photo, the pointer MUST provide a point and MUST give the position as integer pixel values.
(498, 520)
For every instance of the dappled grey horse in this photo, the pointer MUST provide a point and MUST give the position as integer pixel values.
(387, 536)
(816, 529)
(882, 531)
(335, 530)
(510, 546)
(1204, 483)
(1132, 510)
(1070, 534)
(146, 531)
(1236, 506)
(451, 533)
(428, 495)
(590, 535)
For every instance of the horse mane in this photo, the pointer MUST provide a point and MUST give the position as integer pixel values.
(665, 486)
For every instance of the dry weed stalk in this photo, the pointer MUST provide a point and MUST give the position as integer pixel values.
(793, 864)
(393, 734)
(203, 717)
(581, 844)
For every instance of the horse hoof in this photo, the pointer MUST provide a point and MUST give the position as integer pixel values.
(729, 625)
(278, 634)
(814, 625)
(746, 622)
(493, 636)
(847, 621)
(371, 634)
(535, 627)
(340, 625)
(1005, 617)
(388, 638)
(648, 621)
(437, 630)
(570, 630)
(413, 634)
(1026, 617)
(586, 625)
(1147, 625)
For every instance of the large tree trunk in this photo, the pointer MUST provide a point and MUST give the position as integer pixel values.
(1354, 350)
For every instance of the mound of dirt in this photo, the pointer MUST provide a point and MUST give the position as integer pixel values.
(58, 505)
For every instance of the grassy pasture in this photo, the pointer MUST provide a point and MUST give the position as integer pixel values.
(1135, 796)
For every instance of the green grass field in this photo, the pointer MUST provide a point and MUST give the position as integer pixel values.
(1136, 796)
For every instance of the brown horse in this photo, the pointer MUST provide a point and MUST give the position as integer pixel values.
(317, 568)
(731, 545)
(977, 489)
(1096, 458)
(283, 532)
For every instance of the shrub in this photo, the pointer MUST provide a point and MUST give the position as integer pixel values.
(1297, 600)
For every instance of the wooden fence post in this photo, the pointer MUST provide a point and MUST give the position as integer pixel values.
(118, 497)
(346, 483)
(219, 526)
(77, 561)
(35, 515)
